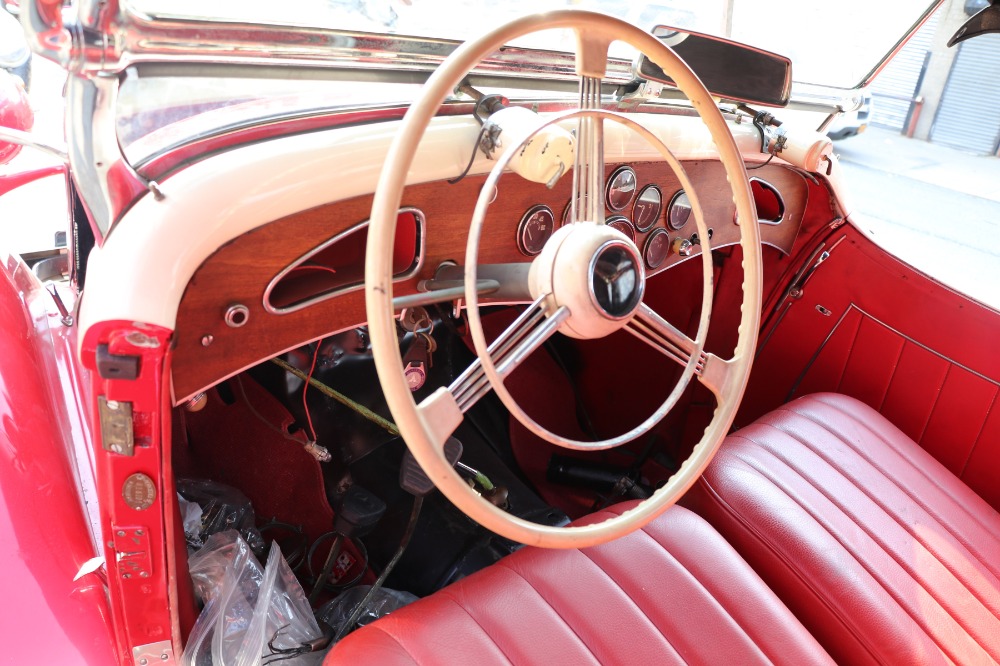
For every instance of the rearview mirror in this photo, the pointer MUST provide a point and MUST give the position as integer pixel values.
(728, 69)
(984, 22)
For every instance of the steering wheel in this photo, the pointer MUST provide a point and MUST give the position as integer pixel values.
(587, 282)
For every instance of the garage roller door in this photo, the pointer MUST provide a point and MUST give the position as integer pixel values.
(895, 86)
(968, 117)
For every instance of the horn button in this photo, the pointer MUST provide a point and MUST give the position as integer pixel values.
(593, 270)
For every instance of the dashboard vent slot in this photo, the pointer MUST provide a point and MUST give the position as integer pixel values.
(770, 205)
(337, 266)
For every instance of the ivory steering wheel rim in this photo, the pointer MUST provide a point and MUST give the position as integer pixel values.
(425, 428)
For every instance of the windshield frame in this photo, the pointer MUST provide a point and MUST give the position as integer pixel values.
(115, 36)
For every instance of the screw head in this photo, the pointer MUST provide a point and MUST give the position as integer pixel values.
(143, 574)
(120, 533)
(143, 661)
(164, 656)
(207, 339)
(138, 532)
(126, 575)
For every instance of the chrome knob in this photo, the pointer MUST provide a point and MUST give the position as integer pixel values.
(682, 246)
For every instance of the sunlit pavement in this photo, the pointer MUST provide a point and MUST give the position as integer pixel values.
(935, 207)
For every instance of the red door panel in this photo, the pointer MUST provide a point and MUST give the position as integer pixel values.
(871, 327)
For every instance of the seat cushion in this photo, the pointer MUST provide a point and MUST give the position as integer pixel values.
(674, 592)
(881, 552)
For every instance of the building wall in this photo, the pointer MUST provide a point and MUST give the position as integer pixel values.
(952, 17)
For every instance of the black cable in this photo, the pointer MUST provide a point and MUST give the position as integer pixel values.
(472, 158)
(761, 165)
(418, 502)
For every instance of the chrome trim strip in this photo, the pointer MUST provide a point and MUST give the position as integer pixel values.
(170, 38)
(32, 141)
(411, 272)
(107, 183)
(864, 313)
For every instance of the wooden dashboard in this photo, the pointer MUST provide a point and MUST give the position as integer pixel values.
(223, 325)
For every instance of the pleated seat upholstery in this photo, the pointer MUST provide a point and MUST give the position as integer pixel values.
(883, 554)
(673, 593)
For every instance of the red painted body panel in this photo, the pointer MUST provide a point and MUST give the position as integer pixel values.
(45, 534)
(13, 181)
(142, 578)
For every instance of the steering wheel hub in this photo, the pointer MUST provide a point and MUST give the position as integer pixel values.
(593, 270)
(616, 280)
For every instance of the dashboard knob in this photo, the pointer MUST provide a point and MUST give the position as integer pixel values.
(682, 246)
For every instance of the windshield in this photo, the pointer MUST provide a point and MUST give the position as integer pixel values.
(830, 43)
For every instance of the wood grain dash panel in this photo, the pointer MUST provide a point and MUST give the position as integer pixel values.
(239, 271)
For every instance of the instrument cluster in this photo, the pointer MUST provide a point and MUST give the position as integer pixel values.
(638, 212)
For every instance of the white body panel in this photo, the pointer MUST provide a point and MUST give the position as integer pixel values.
(145, 264)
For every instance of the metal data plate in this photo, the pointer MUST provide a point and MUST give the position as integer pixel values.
(132, 553)
(116, 426)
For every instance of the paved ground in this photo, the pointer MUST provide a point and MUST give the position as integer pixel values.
(937, 208)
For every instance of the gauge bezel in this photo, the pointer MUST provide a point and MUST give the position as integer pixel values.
(656, 233)
(673, 201)
(611, 179)
(659, 207)
(621, 219)
(565, 214)
(522, 225)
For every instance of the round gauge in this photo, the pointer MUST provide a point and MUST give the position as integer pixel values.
(647, 207)
(621, 187)
(679, 211)
(657, 248)
(621, 223)
(535, 228)
(566, 213)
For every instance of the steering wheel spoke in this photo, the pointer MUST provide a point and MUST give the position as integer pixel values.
(526, 334)
(664, 337)
(587, 202)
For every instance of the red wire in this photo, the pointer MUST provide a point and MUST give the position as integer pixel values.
(305, 404)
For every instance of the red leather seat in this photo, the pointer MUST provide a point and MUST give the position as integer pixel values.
(883, 554)
(672, 593)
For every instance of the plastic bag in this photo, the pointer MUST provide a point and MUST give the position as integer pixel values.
(191, 519)
(385, 601)
(246, 608)
(222, 508)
